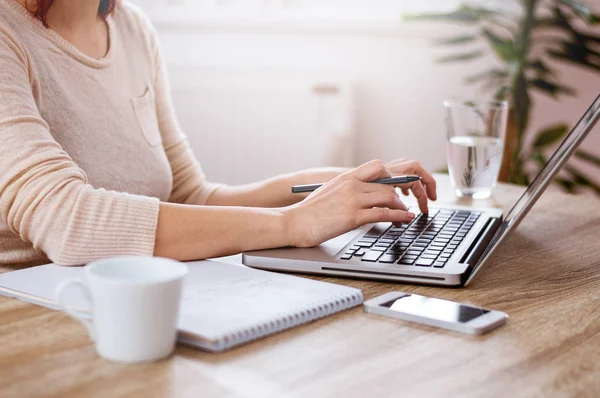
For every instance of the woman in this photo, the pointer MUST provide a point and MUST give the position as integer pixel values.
(93, 162)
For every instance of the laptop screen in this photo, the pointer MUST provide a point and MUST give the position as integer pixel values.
(558, 159)
(544, 178)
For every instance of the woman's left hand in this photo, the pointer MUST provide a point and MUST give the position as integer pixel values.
(424, 189)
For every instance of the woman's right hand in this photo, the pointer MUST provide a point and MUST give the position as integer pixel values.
(343, 204)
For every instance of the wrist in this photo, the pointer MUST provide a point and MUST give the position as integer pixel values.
(280, 189)
(288, 220)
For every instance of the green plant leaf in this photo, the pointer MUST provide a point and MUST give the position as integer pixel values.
(568, 185)
(520, 178)
(461, 57)
(576, 50)
(492, 74)
(582, 180)
(589, 37)
(550, 136)
(588, 157)
(456, 40)
(575, 58)
(550, 88)
(464, 14)
(560, 20)
(539, 158)
(504, 49)
(582, 10)
(502, 93)
(539, 66)
(545, 22)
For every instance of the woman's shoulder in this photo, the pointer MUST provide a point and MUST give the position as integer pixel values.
(135, 27)
(12, 34)
(133, 17)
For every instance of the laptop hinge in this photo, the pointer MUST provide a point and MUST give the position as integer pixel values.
(480, 243)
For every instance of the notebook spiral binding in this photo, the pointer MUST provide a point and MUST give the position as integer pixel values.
(297, 317)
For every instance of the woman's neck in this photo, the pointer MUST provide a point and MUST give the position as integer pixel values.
(78, 22)
(74, 15)
(70, 14)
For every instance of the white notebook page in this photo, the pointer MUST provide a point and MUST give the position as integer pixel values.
(223, 305)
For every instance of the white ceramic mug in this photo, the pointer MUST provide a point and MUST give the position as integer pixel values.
(135, 306)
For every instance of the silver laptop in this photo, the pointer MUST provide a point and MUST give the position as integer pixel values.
(448, 246)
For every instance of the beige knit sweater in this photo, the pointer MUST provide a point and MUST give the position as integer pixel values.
(88, 147)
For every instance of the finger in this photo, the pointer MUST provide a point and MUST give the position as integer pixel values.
(370, 171)
(384, 214)
(419, 192)
(382, 199)
(396, 166)
(426, 178)
(367, 187)
(405, 191)
(373, 187)
(403, 166)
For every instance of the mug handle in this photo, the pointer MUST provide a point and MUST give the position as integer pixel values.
(59, 292)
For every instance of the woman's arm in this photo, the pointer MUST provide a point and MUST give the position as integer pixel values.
(45, 198)
(189, 182)
(274, 192)
(345, 203)
(187, 232)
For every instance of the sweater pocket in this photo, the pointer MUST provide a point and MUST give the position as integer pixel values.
(145, 112)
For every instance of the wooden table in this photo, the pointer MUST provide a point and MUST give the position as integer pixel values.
(546, 276)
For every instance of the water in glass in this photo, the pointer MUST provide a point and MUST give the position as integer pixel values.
(475, 132)
(474, 163)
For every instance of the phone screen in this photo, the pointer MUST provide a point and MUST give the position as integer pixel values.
(433, 308)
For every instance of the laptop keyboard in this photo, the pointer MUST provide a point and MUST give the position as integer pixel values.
(428, 241)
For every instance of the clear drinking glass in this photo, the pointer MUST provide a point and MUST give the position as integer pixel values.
(475, 144)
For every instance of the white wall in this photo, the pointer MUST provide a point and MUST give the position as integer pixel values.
(397, 86)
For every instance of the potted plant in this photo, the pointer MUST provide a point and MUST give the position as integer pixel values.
(524, 41)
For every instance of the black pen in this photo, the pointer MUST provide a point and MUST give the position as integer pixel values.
(388, 180)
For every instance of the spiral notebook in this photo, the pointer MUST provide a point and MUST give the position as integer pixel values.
(223, 305)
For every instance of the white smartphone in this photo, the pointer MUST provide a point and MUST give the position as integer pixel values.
(436, 312)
